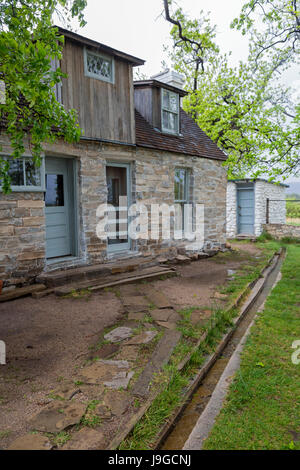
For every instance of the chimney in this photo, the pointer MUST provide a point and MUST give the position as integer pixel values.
(170, 77)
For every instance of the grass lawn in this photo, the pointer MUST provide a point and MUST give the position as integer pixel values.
(262, 410)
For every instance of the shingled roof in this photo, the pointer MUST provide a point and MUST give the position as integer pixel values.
(192, 141)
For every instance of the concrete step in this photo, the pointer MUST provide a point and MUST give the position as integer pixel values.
(98, 271)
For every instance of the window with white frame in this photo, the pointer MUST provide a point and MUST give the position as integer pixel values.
(170, 111)
(181, 197)
(98, 66)
(25, 175)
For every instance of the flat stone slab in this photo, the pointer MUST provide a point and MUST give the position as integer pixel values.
(157, 298)
(136, 303)
(159, 357)
(86, 439)
(120, 380)
(128, 353)
(116, 401)
(31, 442)
(143, 338)
(118, 334)
(58, 416)
(165, 314)
(103, 371)
(167, 324)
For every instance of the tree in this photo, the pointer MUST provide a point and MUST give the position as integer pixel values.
(28, 44)
(241, 109)
(280, 32)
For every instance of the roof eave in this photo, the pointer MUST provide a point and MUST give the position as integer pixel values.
(157, 84)
(135, 61)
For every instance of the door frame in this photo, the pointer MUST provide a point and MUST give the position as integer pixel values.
(241, 187)
(72, 188)
(121, 247)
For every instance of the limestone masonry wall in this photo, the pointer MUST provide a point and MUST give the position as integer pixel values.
(22, 214)
(277, 206)
(279, 231)
(231, 207)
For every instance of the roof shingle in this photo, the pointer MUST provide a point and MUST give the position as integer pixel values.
(192, 141)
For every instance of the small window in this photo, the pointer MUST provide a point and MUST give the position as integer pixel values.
(170, 112)
(98, 66)
(25, 175)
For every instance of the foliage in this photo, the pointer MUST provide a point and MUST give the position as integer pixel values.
(293, 209)
(243, 109)
(280, 33)
(28, 44)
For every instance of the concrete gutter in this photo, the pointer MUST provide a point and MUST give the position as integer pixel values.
(207, 419)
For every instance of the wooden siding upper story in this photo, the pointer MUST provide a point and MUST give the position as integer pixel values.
(105, 110)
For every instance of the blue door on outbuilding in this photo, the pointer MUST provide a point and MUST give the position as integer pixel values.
(245, 209)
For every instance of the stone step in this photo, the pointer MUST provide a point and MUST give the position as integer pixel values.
(84, 273)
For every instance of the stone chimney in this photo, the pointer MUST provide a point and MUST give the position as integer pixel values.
(170, 77)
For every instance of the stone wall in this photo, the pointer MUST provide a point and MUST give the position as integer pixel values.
(279, 231)
(155, 184)
(22, 236)
(277, 205)
(231, 213)
(22, 214)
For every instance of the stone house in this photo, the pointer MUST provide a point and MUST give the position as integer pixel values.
(137, 143)
(253, 203)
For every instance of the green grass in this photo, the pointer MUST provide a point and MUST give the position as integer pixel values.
(262, 410)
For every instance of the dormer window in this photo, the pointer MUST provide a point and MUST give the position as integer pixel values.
(98, 66)
(170, 111)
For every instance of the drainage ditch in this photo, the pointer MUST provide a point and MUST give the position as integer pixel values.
(179, 432)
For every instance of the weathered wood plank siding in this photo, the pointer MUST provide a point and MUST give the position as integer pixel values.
(105, 110)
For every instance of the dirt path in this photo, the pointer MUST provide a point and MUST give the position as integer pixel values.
(49, 339)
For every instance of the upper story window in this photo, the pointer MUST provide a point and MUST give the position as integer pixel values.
(25, 175)
(170, 112)
(98, 66)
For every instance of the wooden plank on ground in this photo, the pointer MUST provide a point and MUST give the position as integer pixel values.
(21, 292)
(65, 290)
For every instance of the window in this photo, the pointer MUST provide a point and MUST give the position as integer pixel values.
(98, 66)
(181, 196)
(25, 175)
(170, 112)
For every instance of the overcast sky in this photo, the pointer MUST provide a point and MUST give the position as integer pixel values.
(138, 28)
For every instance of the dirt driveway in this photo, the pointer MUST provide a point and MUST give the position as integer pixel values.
(48, 339)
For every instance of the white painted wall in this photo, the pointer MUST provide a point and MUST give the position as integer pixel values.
(231, 208)
(277, 209)
(262, 191)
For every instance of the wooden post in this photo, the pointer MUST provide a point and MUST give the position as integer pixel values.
(268, 211)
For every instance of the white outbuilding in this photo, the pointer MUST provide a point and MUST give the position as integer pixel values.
(252, 203)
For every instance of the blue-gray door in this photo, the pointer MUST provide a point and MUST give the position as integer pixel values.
(245, 209)
(58, 207)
